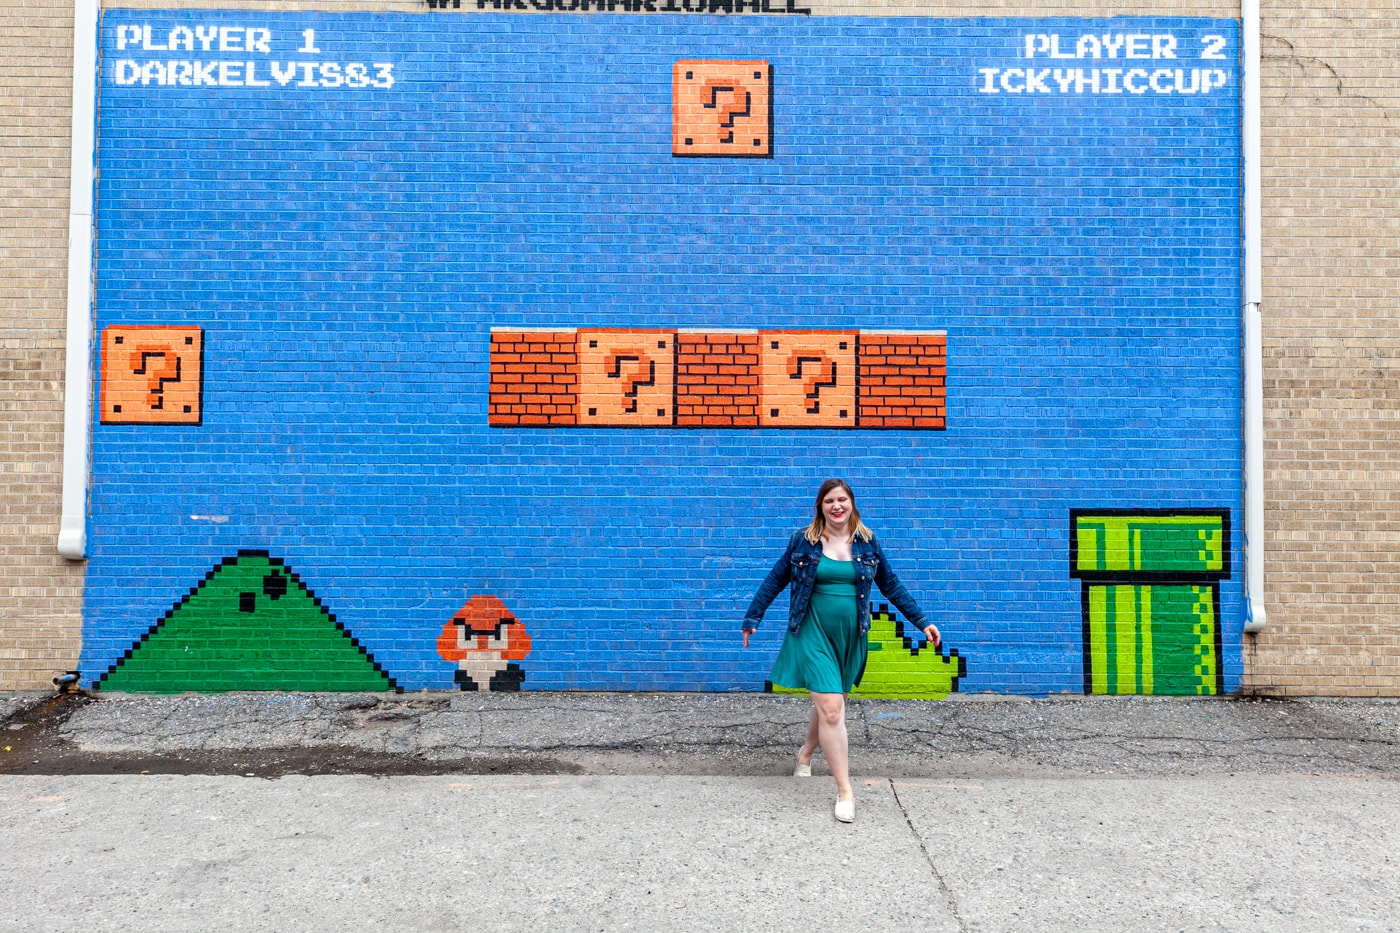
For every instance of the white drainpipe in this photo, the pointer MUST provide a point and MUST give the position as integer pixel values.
(77, 388)
(1253, 324)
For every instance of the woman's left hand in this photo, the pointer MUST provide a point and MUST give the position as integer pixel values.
(931, 633)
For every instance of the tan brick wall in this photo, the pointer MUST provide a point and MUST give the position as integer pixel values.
(1331, 169)
(40, 592)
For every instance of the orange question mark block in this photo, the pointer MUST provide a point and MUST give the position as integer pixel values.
(626, 378)
(807, 379)
(722, 108)
(152, 375)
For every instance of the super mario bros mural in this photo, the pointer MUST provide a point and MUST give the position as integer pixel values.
(1151, 598)
(526, 341)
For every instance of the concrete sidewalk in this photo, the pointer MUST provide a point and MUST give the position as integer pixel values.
(673, 812)
(698, 853)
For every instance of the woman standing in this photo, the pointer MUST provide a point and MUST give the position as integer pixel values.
(830, 565)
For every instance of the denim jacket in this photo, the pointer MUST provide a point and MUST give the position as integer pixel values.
(798, 565)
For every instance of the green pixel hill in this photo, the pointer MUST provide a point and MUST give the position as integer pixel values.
(251, 624)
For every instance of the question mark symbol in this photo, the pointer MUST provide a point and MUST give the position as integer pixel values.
(733, 109)
(815, 371)
(169, 371)
(613, 367)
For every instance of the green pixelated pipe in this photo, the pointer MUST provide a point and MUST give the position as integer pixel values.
(1152, 639)
(1149, 543)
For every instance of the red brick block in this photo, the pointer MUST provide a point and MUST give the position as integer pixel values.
(720, 372)
(533, 379)
(903, 381)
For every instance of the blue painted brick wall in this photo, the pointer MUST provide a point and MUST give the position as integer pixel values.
(347, 251)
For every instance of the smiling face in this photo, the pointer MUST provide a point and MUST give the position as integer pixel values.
(836, 506)
(836, 510)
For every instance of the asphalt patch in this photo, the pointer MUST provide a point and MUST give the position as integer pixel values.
(31, 744)
(751, 735)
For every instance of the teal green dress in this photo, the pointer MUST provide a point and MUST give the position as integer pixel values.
(827, 655)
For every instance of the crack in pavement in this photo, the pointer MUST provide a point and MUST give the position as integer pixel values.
(944, 890)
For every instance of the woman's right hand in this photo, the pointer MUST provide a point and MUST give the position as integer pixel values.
(746, 638)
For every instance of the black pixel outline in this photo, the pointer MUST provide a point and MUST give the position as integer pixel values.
(714, 105)
(229, 562)
(145, 357)
(914, 649)
(675, 338)
(855, 364)
(817, 387)
(636, 389)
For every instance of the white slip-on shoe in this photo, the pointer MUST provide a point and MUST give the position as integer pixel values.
(802, 770)
(845, 811)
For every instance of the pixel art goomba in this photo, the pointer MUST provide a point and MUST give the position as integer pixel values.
(485, 639)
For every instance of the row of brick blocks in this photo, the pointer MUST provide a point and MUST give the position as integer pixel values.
(719, 379)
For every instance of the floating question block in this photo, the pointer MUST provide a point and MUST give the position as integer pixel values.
(881, 380)
(722, 108)
(626, 378)
(152, 375)
(807, 379)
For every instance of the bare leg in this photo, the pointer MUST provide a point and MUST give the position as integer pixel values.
(812, 742)
(830, 710)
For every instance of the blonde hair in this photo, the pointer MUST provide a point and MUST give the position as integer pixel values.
(817, 528)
